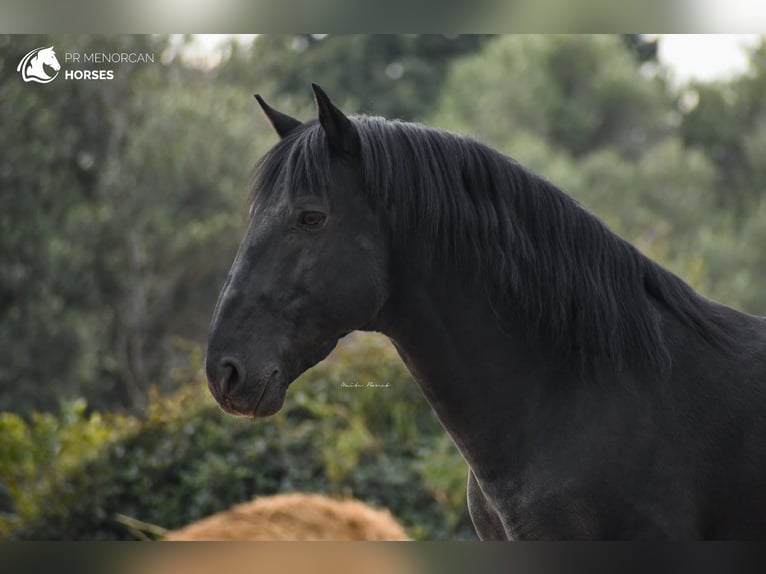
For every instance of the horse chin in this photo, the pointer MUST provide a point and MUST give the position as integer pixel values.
(271, 402)
(268, 402)
(273, 398)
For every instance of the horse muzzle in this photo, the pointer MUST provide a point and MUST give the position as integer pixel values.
(258, 393)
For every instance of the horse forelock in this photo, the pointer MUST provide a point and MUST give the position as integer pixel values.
(299, 162)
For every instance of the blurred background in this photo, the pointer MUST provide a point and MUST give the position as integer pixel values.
(122, 204)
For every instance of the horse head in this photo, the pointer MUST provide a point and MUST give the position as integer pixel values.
(48, 57)
(311, 267)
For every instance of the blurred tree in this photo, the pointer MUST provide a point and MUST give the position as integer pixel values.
(727, 120)
(56, 140)
(177, 195)
(397, 76)
(644, 47)
(121, 205)
(577, 93)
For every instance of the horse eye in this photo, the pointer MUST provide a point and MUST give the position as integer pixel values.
(312, 219)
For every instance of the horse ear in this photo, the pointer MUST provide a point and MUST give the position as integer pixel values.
(282, 123)
(341, 133)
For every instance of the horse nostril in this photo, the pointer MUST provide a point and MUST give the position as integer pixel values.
(233, 374)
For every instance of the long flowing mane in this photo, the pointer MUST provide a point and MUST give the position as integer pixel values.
(585, 294)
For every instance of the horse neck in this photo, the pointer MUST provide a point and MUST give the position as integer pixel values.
(479, 375)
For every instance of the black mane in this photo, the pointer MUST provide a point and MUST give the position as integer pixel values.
(583, 292)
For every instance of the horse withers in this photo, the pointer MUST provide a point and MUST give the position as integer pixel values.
(593, 394)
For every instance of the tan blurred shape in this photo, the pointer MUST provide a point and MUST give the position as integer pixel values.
(295, 516)
(273, 558)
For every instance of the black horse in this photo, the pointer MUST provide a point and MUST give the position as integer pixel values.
(592, 392)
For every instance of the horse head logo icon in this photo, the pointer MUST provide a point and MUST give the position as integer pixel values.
(32, 66)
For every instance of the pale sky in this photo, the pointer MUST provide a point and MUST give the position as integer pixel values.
(705, 56)
(689, 56)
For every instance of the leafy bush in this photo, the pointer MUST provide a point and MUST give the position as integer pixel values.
(188, 459)
(35, 453)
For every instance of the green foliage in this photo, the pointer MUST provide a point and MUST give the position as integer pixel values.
(444, 475)
(188, 459)
(577, 93)
(397, 76)
(34, 454)
(171, 214)
(726, 121)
